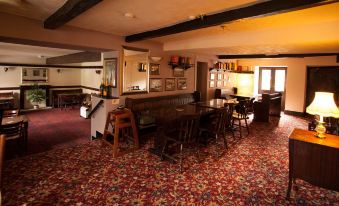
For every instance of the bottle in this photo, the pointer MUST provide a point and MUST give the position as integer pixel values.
(102, 87)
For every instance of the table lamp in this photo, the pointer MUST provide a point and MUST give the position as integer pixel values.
(323, 105)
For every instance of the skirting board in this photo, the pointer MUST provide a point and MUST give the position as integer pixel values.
(299, 114)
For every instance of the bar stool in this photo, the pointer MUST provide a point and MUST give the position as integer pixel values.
(123, 123)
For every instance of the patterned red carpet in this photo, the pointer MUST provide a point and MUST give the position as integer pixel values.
(254, 171)
(51, 129)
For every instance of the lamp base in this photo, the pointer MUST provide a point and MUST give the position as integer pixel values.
(320, 129)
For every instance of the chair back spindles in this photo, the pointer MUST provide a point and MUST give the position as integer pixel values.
(2, 154)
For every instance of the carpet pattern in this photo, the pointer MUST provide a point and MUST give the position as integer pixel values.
(253, 171)
(56, 128)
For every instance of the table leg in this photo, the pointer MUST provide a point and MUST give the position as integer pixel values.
(26, 136)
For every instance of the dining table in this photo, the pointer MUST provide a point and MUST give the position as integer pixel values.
(169, 116)
(16, 119)
(216, 103)
(73, 96)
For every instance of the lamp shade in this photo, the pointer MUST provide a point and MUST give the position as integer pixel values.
(323, 104)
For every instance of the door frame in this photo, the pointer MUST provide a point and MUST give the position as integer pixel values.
(272, 89)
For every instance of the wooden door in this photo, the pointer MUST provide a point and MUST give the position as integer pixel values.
(271, 80)
(202, 76)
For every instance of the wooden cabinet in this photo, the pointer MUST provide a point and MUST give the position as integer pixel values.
(313, 160)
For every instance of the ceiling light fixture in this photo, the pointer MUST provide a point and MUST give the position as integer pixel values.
(192, 17)
(129, 15)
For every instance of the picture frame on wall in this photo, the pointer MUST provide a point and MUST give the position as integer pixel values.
(154, 69)
(219, 83)
(212, 85)
(178, 72)
(155, 85)
(212, 76)
(169, 84)
(220, 76)
(110, 71)
(182, 84)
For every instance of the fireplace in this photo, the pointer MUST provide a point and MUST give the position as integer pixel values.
(25, 88)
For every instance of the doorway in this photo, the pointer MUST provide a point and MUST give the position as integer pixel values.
(202, 75)
(271, 80)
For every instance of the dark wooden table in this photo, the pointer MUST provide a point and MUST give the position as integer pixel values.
(216, 103)
(168, 116)
(242, 96)
(313, 160)
(76, 96)
(16, 119)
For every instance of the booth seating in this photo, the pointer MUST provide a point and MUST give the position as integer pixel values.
(270, 104)
(142, 107)
(7, 100)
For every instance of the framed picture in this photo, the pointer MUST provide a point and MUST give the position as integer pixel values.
(212, 84)
(30, 75)
(219, 83)
(182, 83)
(154, 69)
(212, 76)
(169, 84)
(178, 72)
(155, 85)
(219, 76)
(110, 71)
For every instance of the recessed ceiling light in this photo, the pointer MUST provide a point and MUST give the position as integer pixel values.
(129, 15)
(192, 17)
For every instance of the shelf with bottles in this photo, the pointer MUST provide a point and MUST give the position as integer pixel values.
(181, 62)
(231, 67)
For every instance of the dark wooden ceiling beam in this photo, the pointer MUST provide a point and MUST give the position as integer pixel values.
(70, 10)
(49, 66)
(258, 56)
(75, 58)
(260, 9)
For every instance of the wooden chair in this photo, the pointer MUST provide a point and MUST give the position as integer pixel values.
(1, 116)
(183, 136)
(11, 112)
(123, 124)
(14, 132)
(2, 154)
(220, 125)
(241, 114)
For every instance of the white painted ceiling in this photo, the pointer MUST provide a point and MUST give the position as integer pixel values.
(18, 50)
(310, 30)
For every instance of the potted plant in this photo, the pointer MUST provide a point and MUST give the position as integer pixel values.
(36, 95)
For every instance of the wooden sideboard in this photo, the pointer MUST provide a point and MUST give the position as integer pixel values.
(313, 160)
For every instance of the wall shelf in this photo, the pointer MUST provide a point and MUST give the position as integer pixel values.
(231, 71)
(183, 66)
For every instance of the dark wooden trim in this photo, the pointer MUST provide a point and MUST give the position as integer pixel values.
(257, 56)
(58, 87)
(134, 93)
(9, 88)
(90, 88)
(135, 49)
(70, 10)
(54, 87)
(265, 8)
(294, 113)
(337, 58)
(75, 58)
(49, 66)
(49, 44)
